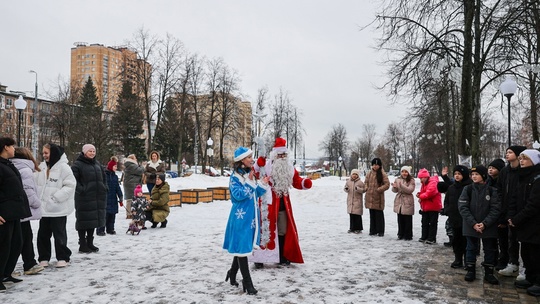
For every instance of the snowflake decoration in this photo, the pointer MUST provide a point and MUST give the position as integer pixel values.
(240, 213)
(253, 224)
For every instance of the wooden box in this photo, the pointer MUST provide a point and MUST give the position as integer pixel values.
(174, 198)
(194, 196)
(221, 193)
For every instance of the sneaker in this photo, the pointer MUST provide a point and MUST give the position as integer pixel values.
(350, 231)
(521, 276)
(421, 240)
(44, 263)
(16, 274)
(357, 231)
(61, 264)
(2, 288)
(511, 270)
(34, 270)
(431, 242)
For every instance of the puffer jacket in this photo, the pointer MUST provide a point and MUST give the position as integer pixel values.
(13, 200)
(404, 201)
(354, 189)
(26, 167)
(90, 193)
(451, 201)
(479, 203)
(56, 188)
(374, 192)
(132, 177)
(524, 207)
(160, 202)
(114, 193)
(429, 196)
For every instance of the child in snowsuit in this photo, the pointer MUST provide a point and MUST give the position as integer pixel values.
(139, 206)
(430, 206)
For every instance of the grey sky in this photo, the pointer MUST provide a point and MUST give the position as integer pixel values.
(312, 49)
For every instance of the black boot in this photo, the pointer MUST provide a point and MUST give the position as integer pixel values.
(83, 245)
(282, 259)
(488, 275)
(163, 224)
(471, 273)
(231, 273)
(90, 242)
(247, 284)
(458, 261)
(154, 225)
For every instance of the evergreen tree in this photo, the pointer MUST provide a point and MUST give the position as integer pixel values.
(169, 131)
(128, 123)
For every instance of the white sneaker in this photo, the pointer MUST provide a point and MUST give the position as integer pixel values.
(511, 270)
(34, 270)
(44, 263)
(61, 264)
(521, 276)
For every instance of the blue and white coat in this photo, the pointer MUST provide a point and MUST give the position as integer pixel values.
(242, 233)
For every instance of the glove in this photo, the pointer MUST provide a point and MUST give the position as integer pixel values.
(261, 161)
(307, 183)
(121, 204)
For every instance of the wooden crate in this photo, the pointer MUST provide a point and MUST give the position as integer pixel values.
(314, 175)
(175, 198)
(194, 196)
(221, 193)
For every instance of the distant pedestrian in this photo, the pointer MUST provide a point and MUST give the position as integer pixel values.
(153, 167)
(480, 209)
(376, 183)
(430, 206)
(354, 188)
(404, 186)
(114, 198)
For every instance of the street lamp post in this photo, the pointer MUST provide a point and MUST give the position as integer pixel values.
(508, 88)
(209, 151)
(340, 161)
(35, 123)
(20, 105)
(399, 159)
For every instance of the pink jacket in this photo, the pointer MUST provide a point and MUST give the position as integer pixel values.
(429, 196)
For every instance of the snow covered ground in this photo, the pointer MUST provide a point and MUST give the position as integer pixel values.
(184, 263)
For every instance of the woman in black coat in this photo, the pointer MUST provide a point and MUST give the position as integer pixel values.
(90, 197)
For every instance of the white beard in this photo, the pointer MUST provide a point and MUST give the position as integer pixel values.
(282, 175)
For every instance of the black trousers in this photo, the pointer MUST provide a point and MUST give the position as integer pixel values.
(404, 226)
(530, 253)
(53, 227)
(376, 222)
(10, 246)
(355, 222)
(429, 225)
(110, 219)
(459, 242)
(27, 252)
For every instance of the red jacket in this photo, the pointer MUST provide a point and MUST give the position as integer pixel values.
(429, 196)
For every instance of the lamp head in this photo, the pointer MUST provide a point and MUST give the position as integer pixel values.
(20, 103)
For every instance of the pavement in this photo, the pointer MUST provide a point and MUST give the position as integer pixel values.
(433, 279)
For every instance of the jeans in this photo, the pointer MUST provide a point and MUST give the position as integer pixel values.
(27, 252)
(490, 250)
(56, 227)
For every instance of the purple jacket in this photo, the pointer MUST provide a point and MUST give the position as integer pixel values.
(26, 168)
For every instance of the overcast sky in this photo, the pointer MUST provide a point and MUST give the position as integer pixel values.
(314, 49)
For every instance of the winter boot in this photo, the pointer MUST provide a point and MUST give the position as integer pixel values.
(83, 246)
(488, 275)
(163, 224)
(247, 284)
(282, 259)
(471, 273)
(231, 273)
(90, 243)
(154, 225)
(458, 261)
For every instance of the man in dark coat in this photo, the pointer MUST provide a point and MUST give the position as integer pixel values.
(13, 207)
(90, 197)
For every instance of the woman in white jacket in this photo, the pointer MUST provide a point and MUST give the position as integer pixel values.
(26, 164)
(56, 190)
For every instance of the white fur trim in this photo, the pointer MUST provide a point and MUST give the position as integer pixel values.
(243, 155)
(280, 150)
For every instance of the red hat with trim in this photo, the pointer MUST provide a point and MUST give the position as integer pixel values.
(280, 146)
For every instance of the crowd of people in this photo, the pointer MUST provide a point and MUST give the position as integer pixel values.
(52, 190)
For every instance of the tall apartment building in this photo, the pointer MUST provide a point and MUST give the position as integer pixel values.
(108, 67)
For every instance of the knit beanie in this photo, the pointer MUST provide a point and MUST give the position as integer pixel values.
(423, 173)
(406, 168)
(533, 154)
(464, 171)
(353, 171)
(87, 148)
(111, 164)
(497, 164)
(483, 171)
(376, 161)
(161, 176)
(137, 190)
(517, 149)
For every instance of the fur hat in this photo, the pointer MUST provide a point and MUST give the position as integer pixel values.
(87, 148)
(517, 149)
(376, 161)
(483, 171)
(406, 168)
(353, 171)
(497, 164)
(533, 154)
(280, 146)
(423, 173)
(241, 153)
(111, 164)
(137, 190)
(464, 171)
